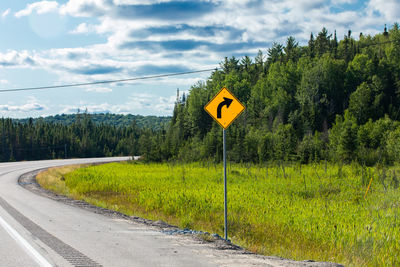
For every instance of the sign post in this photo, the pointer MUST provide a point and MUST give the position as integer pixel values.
(225, 190)
(224, 117)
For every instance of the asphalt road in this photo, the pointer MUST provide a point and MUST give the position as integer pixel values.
(38, 231)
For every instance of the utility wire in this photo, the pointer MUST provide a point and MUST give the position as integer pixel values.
(105, 82)
(139, 78)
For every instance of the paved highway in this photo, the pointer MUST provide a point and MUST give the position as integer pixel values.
(38, 231)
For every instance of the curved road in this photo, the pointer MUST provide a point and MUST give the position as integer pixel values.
(38, 231)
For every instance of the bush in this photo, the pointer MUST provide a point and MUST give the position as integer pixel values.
(311, 148)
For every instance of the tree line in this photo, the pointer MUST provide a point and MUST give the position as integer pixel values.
(119, 120)
(328, 100)
(35, 140)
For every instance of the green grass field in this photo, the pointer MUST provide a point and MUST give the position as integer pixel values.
(315, 211)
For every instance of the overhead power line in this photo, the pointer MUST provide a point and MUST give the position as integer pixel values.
(140, 78)
(105, 82)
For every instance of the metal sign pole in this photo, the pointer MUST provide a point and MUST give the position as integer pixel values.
(224, 108)
(225, 191)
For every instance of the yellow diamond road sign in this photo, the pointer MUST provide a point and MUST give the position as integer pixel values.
(224, 108)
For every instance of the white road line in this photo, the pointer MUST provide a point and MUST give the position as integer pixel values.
(23, 243)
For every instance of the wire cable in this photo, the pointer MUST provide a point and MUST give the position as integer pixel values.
(138, 78)
(105, 82)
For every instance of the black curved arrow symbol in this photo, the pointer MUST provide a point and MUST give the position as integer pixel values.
(227, 102)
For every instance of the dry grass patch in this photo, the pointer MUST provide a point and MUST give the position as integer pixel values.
(53, 179)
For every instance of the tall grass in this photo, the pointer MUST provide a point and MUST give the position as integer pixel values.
(314, 211)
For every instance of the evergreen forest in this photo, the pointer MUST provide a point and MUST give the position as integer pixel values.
(334, 100)
(35, 140)
(119, 120)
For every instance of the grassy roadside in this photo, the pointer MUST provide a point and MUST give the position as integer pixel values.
(301, 212)
(53, 179)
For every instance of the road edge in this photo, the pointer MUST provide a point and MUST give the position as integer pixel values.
(29, 182)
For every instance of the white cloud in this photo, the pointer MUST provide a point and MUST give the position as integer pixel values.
(247, 22)
(3, 82)
(5, 13)
(151, 102)
(140, 2)
(32, 104)
(98, 89)
(263, 22)
(38, 7)
(97, 63)
(143, 103)
(340, 2)
(83, 106)
(85, 8)
(197, 42)
(83, 28)
(13, 58)
(389, 9)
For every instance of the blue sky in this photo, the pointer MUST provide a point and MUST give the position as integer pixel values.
(75, 41)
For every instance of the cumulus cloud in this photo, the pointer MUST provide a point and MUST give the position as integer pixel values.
(38, 7)
(339, 2)
(83, 28)
(13, 58)
(218, 22)
(145, 103)
(95, 69)
(389, 9)
(86, 8)
(146, 37)
(139, 2)
(152, 102)
(99, 89)
(150, 37)
(31, 105)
